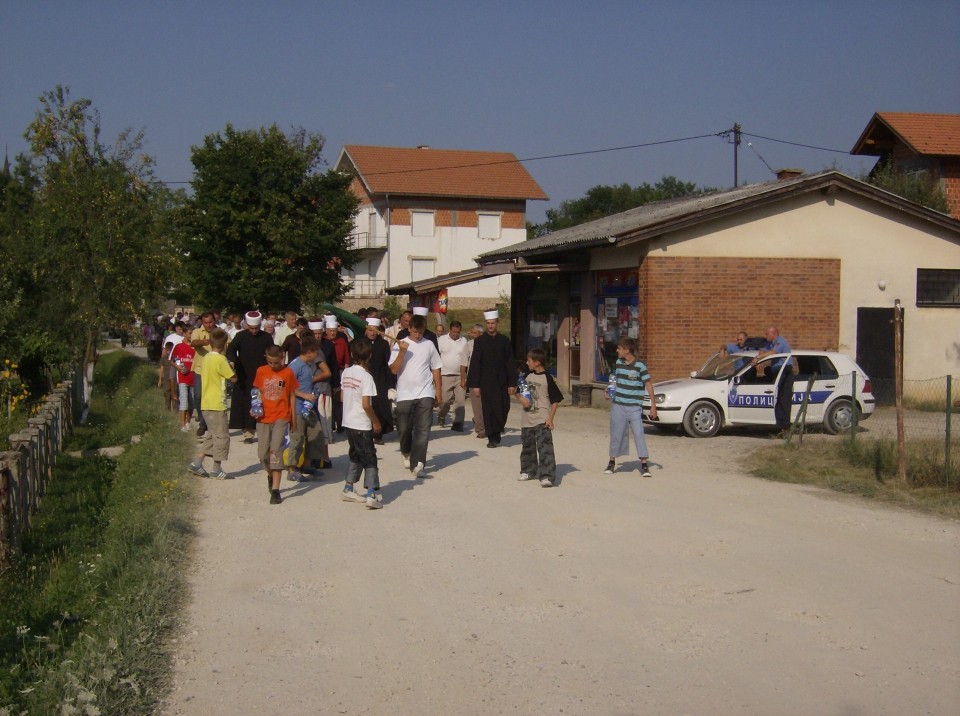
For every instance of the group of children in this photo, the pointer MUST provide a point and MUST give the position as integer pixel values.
(287, 418)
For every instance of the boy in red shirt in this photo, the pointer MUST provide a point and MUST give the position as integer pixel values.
(277, 385)
(182, 359)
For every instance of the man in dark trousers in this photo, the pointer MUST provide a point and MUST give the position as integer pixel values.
(247, 352)
(492, 376)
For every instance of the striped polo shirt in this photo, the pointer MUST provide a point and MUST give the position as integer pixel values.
(630, 379)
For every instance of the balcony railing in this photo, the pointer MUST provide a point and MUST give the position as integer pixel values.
(363, 240)
(365, 287)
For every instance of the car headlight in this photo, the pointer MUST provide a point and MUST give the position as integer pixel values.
(660, 398)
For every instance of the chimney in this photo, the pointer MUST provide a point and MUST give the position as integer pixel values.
(784, 174)
(423, 146)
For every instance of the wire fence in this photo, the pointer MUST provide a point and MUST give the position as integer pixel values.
(930, 418)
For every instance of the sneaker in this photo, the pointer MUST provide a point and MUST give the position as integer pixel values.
(406, 461)
(185, 429)
(611, 468)
(491, 443)
(295, 476)
(524, 477)
(201, 431)
(374, 501)
(546, 482)
(418, 470)
(219, 475)
(197, 470)
(442, 420)
(275, 498)
(248, 441)
(645, 470)
(350, 495)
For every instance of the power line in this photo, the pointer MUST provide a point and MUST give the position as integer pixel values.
(796, 144)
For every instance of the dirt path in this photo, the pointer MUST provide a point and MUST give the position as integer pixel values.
(698, 591)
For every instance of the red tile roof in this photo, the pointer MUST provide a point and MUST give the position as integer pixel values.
(441, 172)
(926, 134)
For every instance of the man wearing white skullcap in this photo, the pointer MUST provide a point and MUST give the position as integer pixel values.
(427, 333)
(492, 376)
(247, 352)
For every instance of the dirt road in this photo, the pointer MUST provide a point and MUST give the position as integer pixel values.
(698, 591)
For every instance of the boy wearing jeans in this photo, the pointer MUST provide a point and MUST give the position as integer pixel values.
(537, 461)
(277, 386)
(360, 422)
(626, 415)
(309, 430)
(215, 442)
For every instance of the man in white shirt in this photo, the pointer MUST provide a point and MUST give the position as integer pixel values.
(416, 363)
(452, 346)
(288, 327)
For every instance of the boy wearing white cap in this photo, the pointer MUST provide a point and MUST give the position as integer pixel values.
(416, 363)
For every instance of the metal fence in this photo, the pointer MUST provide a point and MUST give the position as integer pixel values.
(26, 469)
(929, 449)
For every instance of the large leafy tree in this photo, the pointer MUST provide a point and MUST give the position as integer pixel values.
(265, 227)
(89, 227)
(605, 200)
(918, 187)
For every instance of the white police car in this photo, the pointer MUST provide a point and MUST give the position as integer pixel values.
(728, 390)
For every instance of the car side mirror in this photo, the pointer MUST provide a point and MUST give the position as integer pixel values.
(736, 380)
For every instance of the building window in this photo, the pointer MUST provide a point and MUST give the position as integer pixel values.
(938, 287)
(488, 226)
(421, 269)
(421, 223)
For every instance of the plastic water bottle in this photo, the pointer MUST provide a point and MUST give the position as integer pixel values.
(256, 403)
(523, 387)
(306, 407)
(612, 385)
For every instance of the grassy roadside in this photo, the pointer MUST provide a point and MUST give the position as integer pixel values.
(89, 606)
(861, 469)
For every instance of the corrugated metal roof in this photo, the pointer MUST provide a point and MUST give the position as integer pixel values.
(657, 217)
(441, 172)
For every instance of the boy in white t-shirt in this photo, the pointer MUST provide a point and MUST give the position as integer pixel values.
(360, 423)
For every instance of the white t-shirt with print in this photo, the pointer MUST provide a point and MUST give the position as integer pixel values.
(356, 382)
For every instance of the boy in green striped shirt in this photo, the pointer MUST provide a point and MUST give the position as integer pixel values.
(632, 381)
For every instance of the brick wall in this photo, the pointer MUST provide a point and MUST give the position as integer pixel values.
(690, 305)
(950, 177)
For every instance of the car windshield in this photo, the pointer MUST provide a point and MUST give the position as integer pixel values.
(723, 367)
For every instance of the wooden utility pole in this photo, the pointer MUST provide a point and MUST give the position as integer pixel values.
(736, 154)
(898, 389)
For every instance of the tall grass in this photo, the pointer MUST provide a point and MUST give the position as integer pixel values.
(89, 605)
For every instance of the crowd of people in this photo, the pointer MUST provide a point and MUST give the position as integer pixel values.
(291, 384)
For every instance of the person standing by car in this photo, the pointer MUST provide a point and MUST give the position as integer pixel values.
(631, 381)
(738, 346)
(777, 344)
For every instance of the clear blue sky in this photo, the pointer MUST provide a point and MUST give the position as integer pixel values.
(532, 78)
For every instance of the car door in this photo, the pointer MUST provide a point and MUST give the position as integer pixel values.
(753, 393)
(826, 380)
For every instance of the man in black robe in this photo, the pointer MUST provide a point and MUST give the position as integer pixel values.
(379, 367)
(247, 352)
(492, 376)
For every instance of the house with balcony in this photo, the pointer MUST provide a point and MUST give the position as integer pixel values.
(426, 213)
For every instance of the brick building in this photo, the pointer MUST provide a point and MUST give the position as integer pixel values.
(822, 256)
(912, 142)
(428, 212)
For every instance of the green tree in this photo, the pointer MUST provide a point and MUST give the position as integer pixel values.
(918, 187)
(265, 227)
(90, 227)
(604, 200)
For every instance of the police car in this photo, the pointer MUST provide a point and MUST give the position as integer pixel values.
(729, 390)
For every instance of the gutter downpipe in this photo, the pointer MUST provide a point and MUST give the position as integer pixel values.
(387, 218)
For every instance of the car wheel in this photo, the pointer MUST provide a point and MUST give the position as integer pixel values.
(702, 420)
(839, 417)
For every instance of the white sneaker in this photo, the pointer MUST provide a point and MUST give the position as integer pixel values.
(546, 482)
(406, 461)
(374, 501)
(418, 470)
(524, 477)
(352, 496)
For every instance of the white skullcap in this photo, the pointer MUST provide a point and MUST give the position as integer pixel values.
(420, 311)
(331, 321)
(375, 322)
(493, 315)
(315, 325)
(253, 318)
